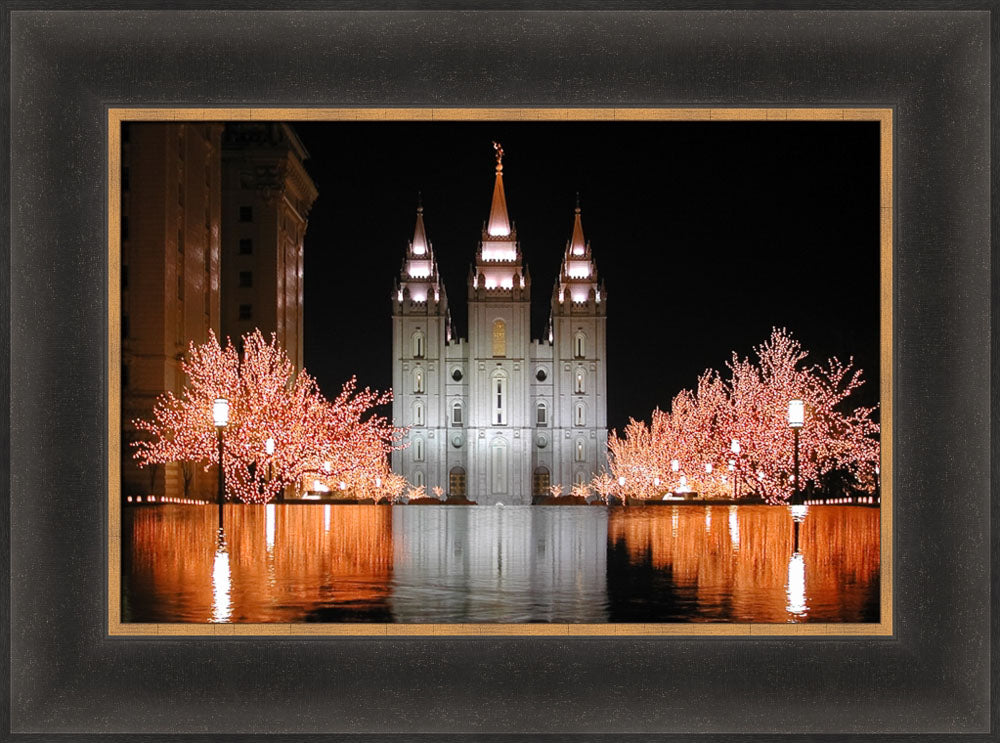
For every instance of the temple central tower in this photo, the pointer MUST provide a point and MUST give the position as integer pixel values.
(499, 417)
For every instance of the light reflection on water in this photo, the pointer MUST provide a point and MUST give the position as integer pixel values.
(294, 563)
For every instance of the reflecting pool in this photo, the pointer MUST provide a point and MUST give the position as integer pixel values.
(347, 563)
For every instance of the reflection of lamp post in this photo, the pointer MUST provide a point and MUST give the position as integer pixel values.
(796, 419)
(734, 447)
(220, 416)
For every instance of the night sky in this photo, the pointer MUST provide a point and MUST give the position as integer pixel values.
(706, 234)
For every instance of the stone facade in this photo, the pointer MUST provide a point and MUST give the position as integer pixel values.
(500, 416)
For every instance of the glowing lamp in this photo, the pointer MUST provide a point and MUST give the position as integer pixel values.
(735, 447)
(220, 412)
(269, 446)
(708, 468)
(656, 482)
(675, 465)
(796, 413)
(732, 464)
(343, 485)
(621, 481)
(378, 482)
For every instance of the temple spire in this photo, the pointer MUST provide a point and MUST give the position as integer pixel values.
(419, 245)
(577, 245)
(498, 224)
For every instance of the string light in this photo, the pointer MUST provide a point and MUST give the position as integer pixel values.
(750, 406)
(268, 399)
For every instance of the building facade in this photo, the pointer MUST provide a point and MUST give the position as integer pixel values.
(212, 225)
(170, 259)
(266, 198)
(500, 416)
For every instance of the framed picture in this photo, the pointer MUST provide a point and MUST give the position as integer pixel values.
(506, 411)
(119, 619)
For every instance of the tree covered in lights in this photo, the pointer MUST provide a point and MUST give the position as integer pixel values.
(689, 447)
(339, 441)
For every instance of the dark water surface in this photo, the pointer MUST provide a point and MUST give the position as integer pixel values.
(323, 563)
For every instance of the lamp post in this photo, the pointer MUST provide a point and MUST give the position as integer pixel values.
(796, 419)
(734, 447)
(220, 416)
(621, 485)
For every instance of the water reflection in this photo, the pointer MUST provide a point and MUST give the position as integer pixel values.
(294, 563)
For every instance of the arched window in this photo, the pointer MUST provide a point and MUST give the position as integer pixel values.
(456, 481)
(418, 345)
(542, 414)
(580, 345)
(418, 450)
(456, 414)
(581, 450)
(418, 380)
(498, 397)
(499, 339)
(579, 381)
(580, 478)
(540, 481)
(418, 414)
(418, 478)
(580, 417)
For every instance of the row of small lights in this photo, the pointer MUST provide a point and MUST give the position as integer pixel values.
(153, 499)
(868, 500)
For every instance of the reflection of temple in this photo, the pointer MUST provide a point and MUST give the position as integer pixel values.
(499, 565)
(499, 416)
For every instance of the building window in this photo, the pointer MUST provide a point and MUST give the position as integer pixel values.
(540, 481)
(499, 339)
(246, 246)
(498, 466)
(456, 482)
(542, 414)
(126, 328)
(246, 214)
(579, 346)
(457, 375)
(418, 345)
(498, 386)
(578, 384)
(579, 478)
(456, 414)
(246, 279)
(418, 450)
(581, 450)
(580, 416)
(418, 478)
(246, 312)
(418, 414)
(418, 381)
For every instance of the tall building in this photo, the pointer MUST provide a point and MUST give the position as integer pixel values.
(500, 417)
(266, 198)
(170, 226)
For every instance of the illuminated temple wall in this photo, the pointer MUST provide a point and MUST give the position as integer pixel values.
(500, 416)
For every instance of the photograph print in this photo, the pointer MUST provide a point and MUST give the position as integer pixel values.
(500, 372)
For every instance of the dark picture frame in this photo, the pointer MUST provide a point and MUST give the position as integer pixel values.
(68, 675)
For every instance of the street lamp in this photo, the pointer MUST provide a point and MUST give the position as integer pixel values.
(796, 419)
(269, 450)
(220, 416)
(734, 447)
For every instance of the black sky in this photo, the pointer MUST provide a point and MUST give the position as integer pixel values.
(706, 234)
